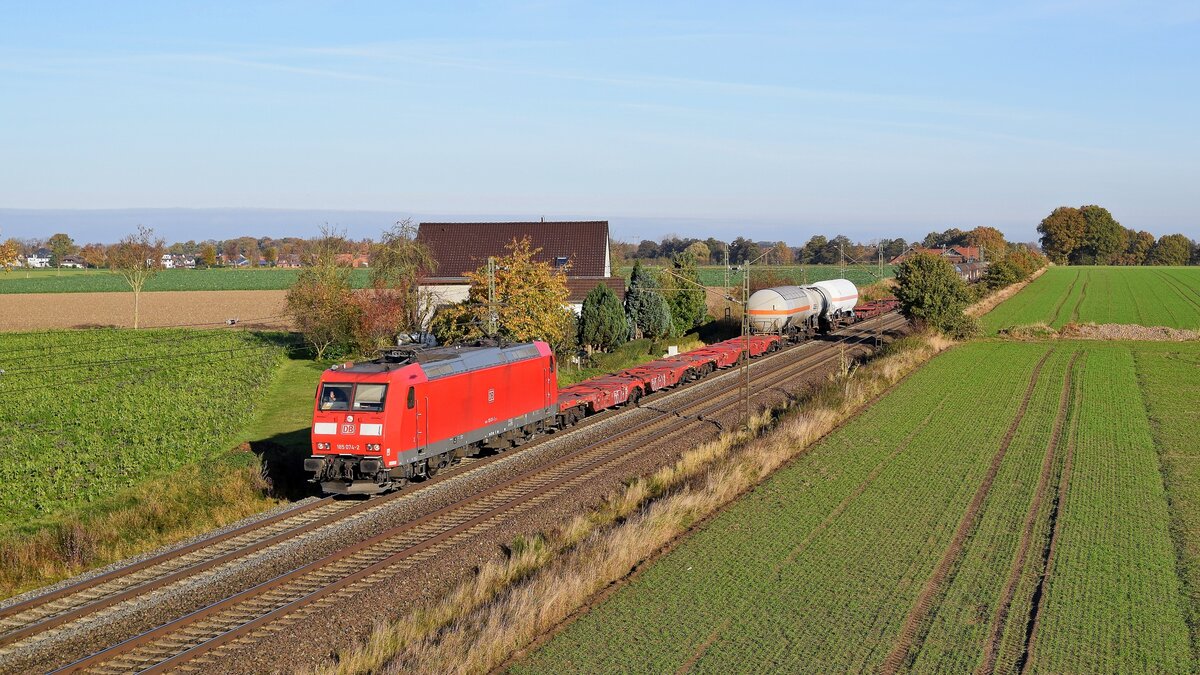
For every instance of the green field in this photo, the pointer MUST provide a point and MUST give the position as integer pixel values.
(1147, 296)
(918, 536)
(91, 412)
(91, 281)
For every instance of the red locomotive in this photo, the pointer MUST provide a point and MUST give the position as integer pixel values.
(378, 424)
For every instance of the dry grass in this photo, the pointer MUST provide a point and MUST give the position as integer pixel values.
(989, 303)
(194, 500)
(880, 289)
(509, 604)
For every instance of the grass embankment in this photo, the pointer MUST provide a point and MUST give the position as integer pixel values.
(508, 604)
(1147, 296)
(216, 279)
(120, 442)
(901, 535)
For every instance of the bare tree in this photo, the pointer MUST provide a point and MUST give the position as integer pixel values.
(136, 258)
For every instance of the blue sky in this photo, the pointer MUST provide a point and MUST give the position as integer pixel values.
(771, 119)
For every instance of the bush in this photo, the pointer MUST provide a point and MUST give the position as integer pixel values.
(931, 292)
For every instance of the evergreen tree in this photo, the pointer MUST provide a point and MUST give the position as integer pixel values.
(602, 324)
(685, 295)
(645, 308)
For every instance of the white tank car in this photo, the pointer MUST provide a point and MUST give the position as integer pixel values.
(838, 298)
(775, 310)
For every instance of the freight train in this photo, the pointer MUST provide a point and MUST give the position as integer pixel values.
(408, 414)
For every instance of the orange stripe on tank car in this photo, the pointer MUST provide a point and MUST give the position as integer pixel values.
(846, 297)
(778, 312)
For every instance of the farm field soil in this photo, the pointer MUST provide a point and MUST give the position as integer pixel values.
(112, 437)
(99, 281)
(46, 311)
(901, 543)
(1147, 296)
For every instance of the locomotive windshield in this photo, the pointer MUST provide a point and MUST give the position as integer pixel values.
(335, 396)
(370, 397)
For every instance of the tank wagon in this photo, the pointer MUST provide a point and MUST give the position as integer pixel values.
(800, 312)
(378, 424)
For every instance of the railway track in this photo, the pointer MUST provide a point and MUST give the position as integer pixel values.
(39, 619)
(197, 640)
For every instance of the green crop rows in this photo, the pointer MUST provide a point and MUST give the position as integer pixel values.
(821, 567)
(91, 281)
(1147, 296)
(90, 412)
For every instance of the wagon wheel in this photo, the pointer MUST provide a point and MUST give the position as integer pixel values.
(635, 395)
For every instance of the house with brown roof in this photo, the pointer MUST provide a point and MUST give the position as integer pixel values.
(459, 248)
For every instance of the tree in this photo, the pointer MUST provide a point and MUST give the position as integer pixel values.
(1139, 247)
(531, 303)
(648, 314)
(398, 262)
(685, 295)
(1171, 249)
(1026, 259)
(602, 324)
(61, 246)
(990, 241)
(814, 250)
(94, 255)
(742, 250)
(1000, 274)
(1103, 238)
(893, 247)
(250, 250)
(930, 291)
(781, 254)
(9, 251)
(647, 249)
(699, 251)
(271, 254)
(137, 258)
(1062, 233)
(320, 302)
(208, 254)
(230, 249)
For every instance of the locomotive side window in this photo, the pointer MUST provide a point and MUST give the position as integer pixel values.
(370, 397)
(335, 396)
(412, 398)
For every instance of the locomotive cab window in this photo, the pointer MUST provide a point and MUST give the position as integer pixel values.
(369, 397)
(412, 398)
(335, 396)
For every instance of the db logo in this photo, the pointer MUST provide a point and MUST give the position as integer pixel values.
(347, 428)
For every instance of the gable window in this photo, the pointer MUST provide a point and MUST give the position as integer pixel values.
(560, 261)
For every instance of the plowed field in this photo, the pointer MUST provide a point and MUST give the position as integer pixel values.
(41, 311)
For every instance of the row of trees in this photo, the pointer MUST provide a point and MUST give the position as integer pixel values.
(209, 253)
(1089, 235)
